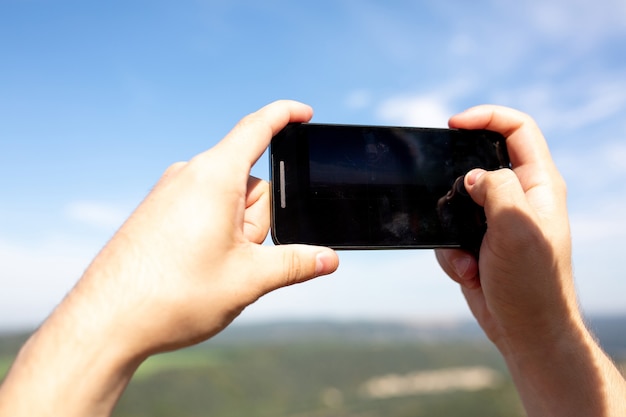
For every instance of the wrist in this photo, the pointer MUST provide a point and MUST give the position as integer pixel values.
(565, 374)
(75, 364)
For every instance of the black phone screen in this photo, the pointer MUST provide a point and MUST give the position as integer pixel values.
(356, 187)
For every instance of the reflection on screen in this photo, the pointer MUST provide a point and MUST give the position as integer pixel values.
(385, 185)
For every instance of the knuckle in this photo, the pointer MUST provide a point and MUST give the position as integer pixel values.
(560, 186)
(497, 184)
(174, 168)
(171, 172)
(503, 176)
(503, 179)
(253, 122)
(292, 265)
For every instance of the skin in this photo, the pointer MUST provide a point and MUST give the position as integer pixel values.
(189, 260)
(521, 290)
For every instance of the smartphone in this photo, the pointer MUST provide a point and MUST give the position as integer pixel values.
(378, 187)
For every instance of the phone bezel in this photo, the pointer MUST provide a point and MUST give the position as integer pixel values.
(283, 218)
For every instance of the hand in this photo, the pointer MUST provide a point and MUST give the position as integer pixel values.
(190, 258)
(521, 290)
(182, 267)
(522, 285)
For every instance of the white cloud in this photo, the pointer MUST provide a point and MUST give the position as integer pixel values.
(616, 157)
(423, 111)
(604, 226)
(597, 219)
(570, 104)
(431, 108)
(597, 197)
(598, 235)
(597, 168)
(462, 46)
(377, 285)
(35, 278)
(581, 21)
(358, 99)
(563, 28)
(38, 271)
(97, 214)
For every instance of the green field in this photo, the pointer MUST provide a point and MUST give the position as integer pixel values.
(326, 370)
(323, 379)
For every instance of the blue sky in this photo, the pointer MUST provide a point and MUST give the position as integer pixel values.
(98, 98)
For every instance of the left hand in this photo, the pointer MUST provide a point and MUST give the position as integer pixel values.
(190, 259)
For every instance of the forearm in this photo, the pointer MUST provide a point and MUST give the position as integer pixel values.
(570, 376)
(71, 366)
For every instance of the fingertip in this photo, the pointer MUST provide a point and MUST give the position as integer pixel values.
(250, 137)
(473, 176)
(307, 111)
(326, 262)
(459, 265)
(298, 111)
(463, 119)
(291, 264)
(501, 119)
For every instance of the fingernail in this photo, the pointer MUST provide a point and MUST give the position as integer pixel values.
(461, 265)
(325, 263)
(322, 263)
(319, 263)
(474, 175)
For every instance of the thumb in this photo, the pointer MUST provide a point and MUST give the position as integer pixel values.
(497, 191)
(511, 223)
(285, 265)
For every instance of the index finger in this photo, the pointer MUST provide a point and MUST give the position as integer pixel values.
(528, 151)
(525, 142)
(250, 137)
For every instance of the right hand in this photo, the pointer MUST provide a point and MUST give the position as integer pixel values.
(522, 284)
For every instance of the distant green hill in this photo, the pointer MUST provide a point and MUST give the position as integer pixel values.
(332, 369)
(370, 331)
(337, 377)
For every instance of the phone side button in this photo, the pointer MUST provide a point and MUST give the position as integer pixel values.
(283, 198)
